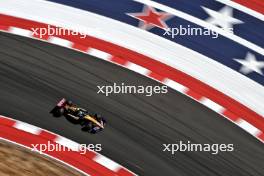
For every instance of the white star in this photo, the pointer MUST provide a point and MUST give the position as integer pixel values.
(250, 64)
(223, 18)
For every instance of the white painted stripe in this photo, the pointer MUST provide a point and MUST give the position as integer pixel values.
(203, 23)
(212, 105)
(179, 57)
(19, 31)
(176, 86)
(110, 164)
(60, 41)
(67, 143)
(98, 53)
(243, 9)
(137, 68)
(27, 127)
(248, 127)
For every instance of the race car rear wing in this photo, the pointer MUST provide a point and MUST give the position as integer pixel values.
(61, 102)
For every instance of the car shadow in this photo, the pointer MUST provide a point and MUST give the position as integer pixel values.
(74, 121)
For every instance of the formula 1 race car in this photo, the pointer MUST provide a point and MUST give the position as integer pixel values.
(93, 123)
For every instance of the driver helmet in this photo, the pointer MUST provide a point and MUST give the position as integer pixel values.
(81, 113)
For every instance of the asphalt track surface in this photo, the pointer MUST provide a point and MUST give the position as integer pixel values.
(34, 75)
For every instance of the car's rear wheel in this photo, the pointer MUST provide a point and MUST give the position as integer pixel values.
(58, 112)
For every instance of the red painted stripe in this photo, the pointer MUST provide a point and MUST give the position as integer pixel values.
(156, 76)
(123, 172)
(80, 47)
(261, 136)
(118, 60)
(6, 121)
(90, 155)
(230, 115)
(257, 5)
(194, 95)
(4, 28)
(153, 65)
(47, 135)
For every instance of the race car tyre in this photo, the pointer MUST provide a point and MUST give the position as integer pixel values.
(58, 112)
(69, 103)
(86, 126)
